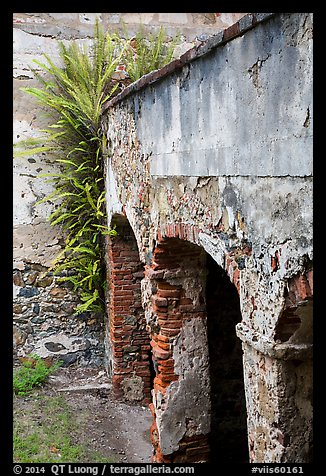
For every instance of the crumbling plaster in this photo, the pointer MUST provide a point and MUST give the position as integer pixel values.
(251, 198)
(223, 144)
(187, 400)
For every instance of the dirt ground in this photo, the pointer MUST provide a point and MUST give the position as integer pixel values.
(120, 431)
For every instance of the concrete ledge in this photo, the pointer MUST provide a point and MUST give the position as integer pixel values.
(284, 351)
(86, 388)
(237, 29)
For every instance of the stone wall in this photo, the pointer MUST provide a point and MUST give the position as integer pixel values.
(80, 25)
(213, 154)
(43, 310)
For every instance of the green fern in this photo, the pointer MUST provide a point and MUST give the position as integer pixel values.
(74, 95)
(148, 52)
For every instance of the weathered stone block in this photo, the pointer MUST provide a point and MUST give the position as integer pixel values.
(30, 277)
(171, 18)
(28, 292)
(18, 279)
(204, 18)
(44, 281)
(19, 336)
(58, 293)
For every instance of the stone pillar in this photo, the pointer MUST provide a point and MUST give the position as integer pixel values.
(278, 381)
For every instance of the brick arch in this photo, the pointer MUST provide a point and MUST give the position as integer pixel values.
(128, 351)
(177, 315)
(233, 259)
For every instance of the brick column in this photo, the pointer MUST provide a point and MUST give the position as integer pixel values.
(126, 327)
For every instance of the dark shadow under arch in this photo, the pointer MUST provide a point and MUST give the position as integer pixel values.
(228, 438)
(189, 285)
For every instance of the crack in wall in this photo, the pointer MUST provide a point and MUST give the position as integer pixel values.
(255, 70)
(307, 120)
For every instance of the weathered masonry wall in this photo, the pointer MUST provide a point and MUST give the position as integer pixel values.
(43, 310)
(80, 25)
(210, 158)
(44, 319)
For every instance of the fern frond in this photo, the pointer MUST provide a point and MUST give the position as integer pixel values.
(72, 95)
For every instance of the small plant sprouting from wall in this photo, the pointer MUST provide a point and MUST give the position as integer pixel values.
(74, 93)
(148, 52)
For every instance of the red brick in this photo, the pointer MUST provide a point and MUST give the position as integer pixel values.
(147, 379)
(146, 347)
(156, 266)
(161, 312)
(159, 250)
(187, 308)
(146, 400)
(163, 285)
(310, 281)
(231, 32)
(129, 254)
(118, 332)
(117, 353)
(166, 363)
(170, 332)
(117, 379)
(169, 293)
(170, 323)
(168, 378)
(159, 383)
(117, 325)
(116, 283)
(170, 230)
(161, 354)
(274, 264)
(159, 301)
(164, 345)
(153, 342)
(141, 340)
(122, 371)
(162, 338)
(299, 286)
(123, 292)
(152, 410)
(128, 327)
(159, 388)
(132, 287)
(142, 373)
(140, 365)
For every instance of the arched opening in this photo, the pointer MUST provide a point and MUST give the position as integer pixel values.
(177, 319)
(199, 412)
(228, 436)
(128, 352)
